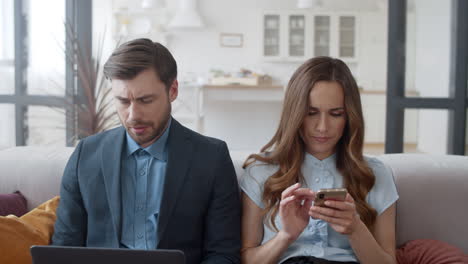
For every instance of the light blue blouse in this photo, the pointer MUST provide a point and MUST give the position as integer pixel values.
(318, 239)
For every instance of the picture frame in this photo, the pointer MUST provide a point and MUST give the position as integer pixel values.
(232, 40)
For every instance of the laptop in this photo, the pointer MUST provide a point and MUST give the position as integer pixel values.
(86, 255)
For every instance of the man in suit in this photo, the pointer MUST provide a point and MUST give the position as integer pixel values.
(151, 183)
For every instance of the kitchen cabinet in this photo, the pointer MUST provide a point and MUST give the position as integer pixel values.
(297, 36)
(284, 36)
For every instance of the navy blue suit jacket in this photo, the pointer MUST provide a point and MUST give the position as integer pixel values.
(200, 208)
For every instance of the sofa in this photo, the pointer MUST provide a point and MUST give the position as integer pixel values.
(433, 189)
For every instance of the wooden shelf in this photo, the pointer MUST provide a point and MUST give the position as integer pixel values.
(243, 93)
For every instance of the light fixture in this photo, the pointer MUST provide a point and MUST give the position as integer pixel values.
(309, 3)
(186, 16)
(304, 3)
(149, 4)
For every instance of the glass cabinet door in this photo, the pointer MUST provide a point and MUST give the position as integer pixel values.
(347, 36)
(297, 35)
(271, 35)
(322, 35)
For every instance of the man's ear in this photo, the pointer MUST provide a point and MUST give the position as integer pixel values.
(173, 90)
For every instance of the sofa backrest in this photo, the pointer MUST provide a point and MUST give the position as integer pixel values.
(433, 189)
(35, 171)
(433, 201)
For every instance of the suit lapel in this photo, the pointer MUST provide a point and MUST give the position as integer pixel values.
(179, 157)
(110, 163)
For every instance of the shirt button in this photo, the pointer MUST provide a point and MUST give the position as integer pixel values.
(317, 179)
(140, 236)
(140, 207)
(142, 172)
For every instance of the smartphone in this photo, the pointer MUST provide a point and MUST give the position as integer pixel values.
(338, 194)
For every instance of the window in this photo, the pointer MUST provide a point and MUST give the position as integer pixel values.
(36, 81)
(435, 78)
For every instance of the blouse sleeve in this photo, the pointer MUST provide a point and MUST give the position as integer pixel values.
(384, 192)
(253, 180)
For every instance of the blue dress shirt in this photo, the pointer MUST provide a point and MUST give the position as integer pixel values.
(143, 173)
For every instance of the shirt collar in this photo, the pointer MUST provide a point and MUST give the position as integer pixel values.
(314, 162)
(157, 149)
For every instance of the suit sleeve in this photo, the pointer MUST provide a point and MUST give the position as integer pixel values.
(222, 224)
(70, 226)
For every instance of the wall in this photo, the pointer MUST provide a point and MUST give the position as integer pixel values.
(198, 51)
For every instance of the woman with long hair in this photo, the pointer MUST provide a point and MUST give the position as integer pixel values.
(318, 145)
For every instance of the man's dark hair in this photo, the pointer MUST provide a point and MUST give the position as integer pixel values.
(138, 55)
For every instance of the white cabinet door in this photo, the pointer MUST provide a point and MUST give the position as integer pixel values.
(296, 31)
(335, 35)
(297, 36)
(272, 31)
(285, 36)
(347, 37)
(322, 31)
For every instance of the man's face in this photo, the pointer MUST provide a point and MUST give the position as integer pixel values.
(144, 105)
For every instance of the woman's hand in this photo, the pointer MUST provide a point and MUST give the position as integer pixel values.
(294, 210)
(340, 215)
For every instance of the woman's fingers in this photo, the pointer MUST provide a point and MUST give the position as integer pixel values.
(349, 198)
(329, 219)
(287, 200)
(347, 212)
(327, 212)
(340, 205)
(304, 193)
(288, 191)
(307, 204)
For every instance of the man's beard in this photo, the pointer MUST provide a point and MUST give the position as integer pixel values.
(157, 130)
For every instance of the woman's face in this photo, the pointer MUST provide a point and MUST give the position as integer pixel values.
(325, 120)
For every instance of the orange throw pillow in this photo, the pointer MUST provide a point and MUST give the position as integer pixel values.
(19, 234)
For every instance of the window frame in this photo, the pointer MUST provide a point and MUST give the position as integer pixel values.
(397, 102)
(78, 14)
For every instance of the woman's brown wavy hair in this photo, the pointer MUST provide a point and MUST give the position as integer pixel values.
(286, 148)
